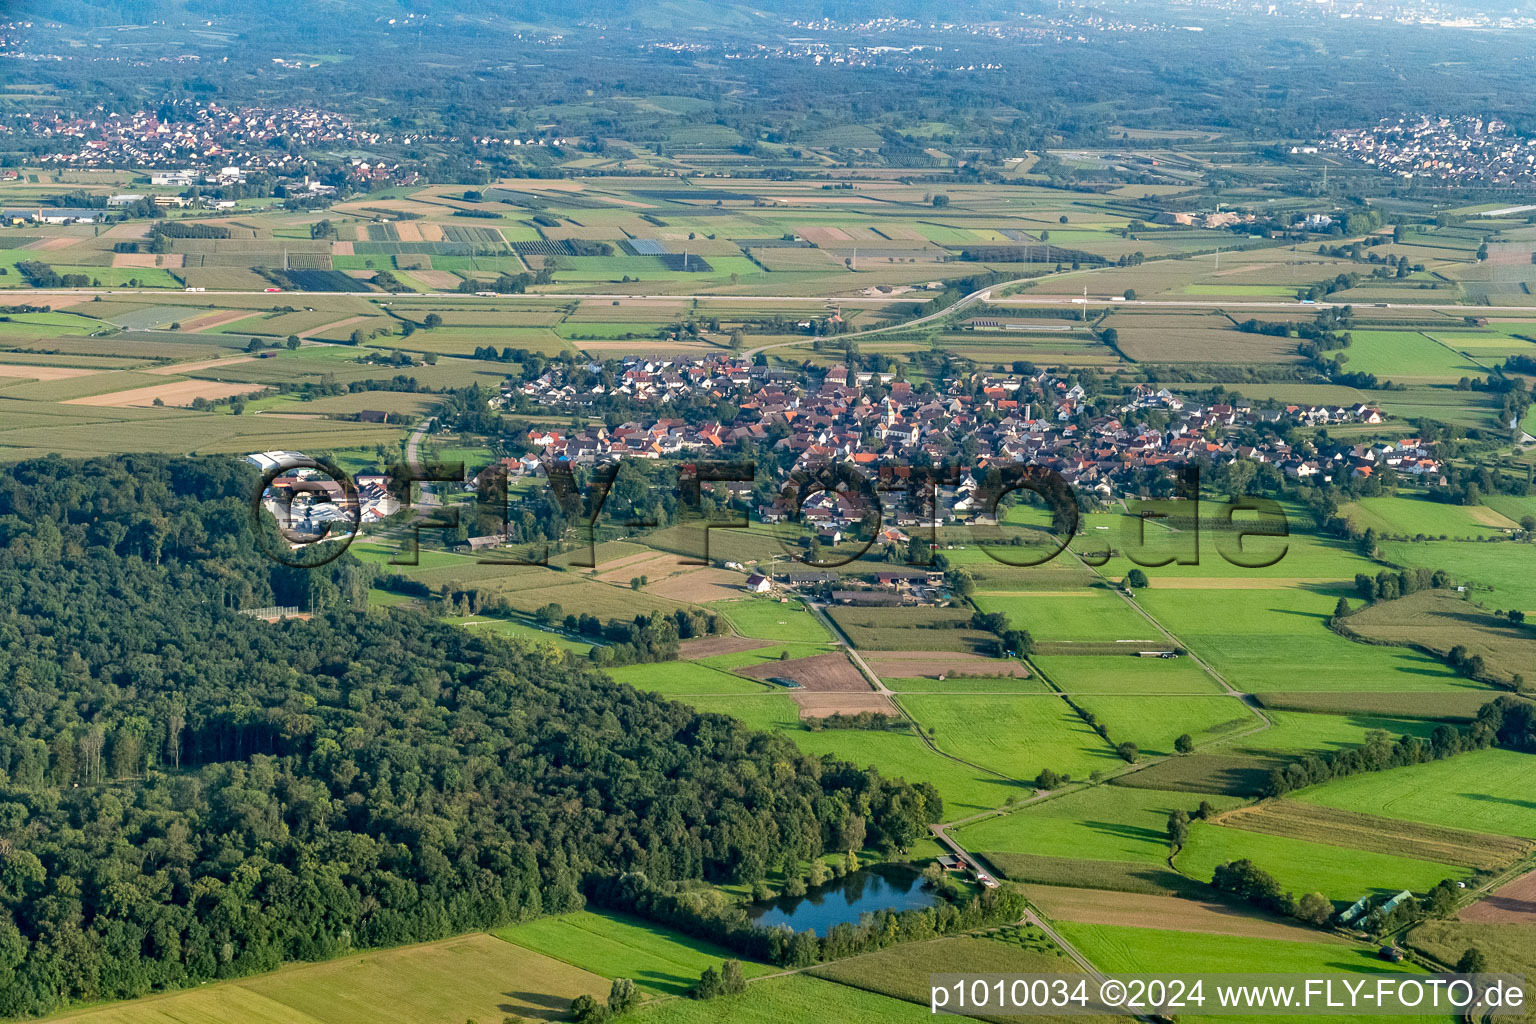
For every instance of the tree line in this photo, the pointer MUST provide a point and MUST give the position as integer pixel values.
(1505, 721)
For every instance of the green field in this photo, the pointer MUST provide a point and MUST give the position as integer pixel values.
(1278, 640)
(770, 652)
(1087, 614)
(1301, 554)
(1401, 356)
(1512, 506)
(675, 678)
(489, 979)
(1485, 790)
(965, 684)
(1242, 765)
(902, 971)
(659, 961)
(769, 620)
(1503, 574)
(1123, 950)
(798, 997)
(1153, 723)
(1339, 873)
(1111, 673)
(1149, 950)
(1100, 823)
(897, 754)
(1015, 735)
(1412, 516)
(1298, 733)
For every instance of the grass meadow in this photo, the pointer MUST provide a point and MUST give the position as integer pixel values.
(1278, 640)
(902, 971)
(767, 619)
(659, 961)
(1407, 356)
(1503, 574)
(1015, 735)
(1110, 673)
(771, 652)
(1339, 873)
(1123, 950)
(1153, 723)
(1100, 823)
(678, 678)
(791, 998)
(1485, 790)
(1089, 614)
(1410, 515)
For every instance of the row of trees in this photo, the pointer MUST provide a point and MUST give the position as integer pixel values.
(1506, 721)
(1387, 585)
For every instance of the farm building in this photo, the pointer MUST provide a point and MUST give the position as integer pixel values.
(809, 579)
(757, 583)
(867, 597)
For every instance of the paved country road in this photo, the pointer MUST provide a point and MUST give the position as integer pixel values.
(413, 459)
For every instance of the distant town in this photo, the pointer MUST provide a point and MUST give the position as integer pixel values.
(1463, 150)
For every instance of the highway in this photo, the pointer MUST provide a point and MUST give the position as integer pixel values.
(981, 295)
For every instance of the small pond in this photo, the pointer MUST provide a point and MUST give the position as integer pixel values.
(877, 887)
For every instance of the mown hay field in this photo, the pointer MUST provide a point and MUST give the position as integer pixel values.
(1378, 834)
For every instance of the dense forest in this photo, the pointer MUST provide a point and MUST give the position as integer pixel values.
(188, 793)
